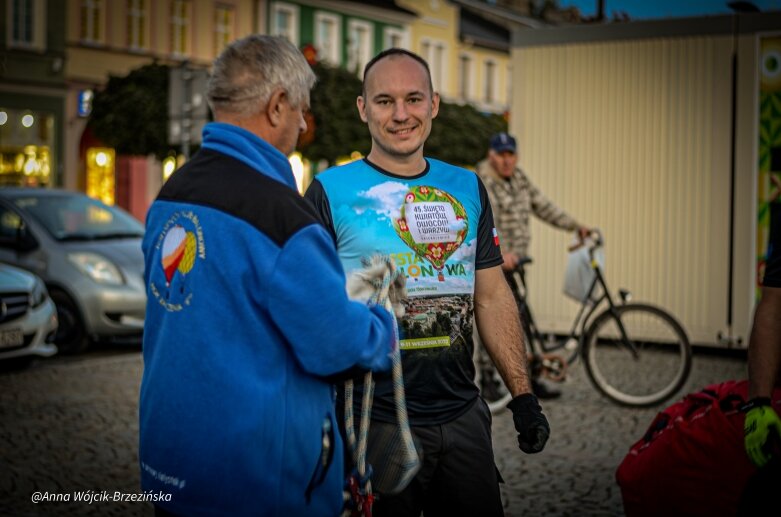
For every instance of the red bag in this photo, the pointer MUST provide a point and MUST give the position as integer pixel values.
(692, 460)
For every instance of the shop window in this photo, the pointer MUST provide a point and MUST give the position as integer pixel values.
(100, 174)
(26, 147)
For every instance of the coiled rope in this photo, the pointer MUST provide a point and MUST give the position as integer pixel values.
(411, 461)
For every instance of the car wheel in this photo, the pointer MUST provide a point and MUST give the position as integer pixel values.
(71, 337)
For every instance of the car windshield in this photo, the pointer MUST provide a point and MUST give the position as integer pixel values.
(76, 217)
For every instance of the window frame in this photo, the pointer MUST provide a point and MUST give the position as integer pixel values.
(466, 75)
(357, 58)
(490, 82)
(435, 52)
(92, 34)
(138, 10)
(223, 38)
(37, 39)
(185, 33)
(295, 16)
(389, 33)
(332, 55)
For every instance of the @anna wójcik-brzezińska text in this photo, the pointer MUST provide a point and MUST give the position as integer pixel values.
(100, 496)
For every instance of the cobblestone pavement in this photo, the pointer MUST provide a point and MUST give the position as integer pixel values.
(70, 425)
(575, 474)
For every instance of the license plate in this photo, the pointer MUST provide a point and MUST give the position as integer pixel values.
(11, 338)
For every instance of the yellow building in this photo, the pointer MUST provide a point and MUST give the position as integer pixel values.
(113, 37)
(467, 50)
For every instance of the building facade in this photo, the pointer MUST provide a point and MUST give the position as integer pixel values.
(32, 92)
(111, 38)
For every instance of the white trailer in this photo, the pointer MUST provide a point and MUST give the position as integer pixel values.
(629, 127)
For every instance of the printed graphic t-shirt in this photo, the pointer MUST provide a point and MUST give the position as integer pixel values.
(438, 228)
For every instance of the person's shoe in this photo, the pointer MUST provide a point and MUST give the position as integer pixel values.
(543, 391)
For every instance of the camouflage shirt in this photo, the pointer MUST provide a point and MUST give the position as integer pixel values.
(512, 201)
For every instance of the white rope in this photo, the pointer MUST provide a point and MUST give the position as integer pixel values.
(358, 446)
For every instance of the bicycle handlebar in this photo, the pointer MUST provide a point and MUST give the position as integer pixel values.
(593, 243)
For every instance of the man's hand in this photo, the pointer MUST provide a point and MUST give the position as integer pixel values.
(531, 424)
(761, 421)
(367, 284)
(397, 293)
(584, 232)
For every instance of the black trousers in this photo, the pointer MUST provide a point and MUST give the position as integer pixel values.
(458, 476)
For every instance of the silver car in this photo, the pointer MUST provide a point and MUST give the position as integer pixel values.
(28, 318)
(88, 254)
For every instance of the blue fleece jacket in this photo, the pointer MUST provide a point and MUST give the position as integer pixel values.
(247, 317)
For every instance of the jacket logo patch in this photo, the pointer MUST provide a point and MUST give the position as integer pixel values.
(180, 246)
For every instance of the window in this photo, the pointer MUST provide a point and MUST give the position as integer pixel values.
(464, 76)
(27, 140)
(434, 53)
(92, 21)
(395, 38)
(223, 27)
(360, 50)
(284, 21)
(25, 25)
(137, 24)
(180, 27)
(328, 28)
(489, 82)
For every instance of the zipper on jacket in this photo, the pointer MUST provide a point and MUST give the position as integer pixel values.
(325, 459)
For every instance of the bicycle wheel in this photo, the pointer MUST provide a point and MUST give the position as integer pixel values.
(653, 373)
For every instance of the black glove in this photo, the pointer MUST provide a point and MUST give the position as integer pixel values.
(531, 424)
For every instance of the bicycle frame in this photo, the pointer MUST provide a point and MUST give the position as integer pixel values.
(604, 323)
(588, 309)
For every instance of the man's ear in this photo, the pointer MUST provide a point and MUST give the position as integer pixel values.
(361, 103)
(275, 107)
(435, 105)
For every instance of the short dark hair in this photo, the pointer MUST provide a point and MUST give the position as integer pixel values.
(395, 51)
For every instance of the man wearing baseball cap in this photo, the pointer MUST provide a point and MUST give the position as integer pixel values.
(513, 199)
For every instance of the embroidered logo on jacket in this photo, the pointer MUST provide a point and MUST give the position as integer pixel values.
(180, 245)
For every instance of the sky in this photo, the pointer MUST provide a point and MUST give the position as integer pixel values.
(647, 9)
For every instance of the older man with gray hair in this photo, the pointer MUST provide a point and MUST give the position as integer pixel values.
(248, 319)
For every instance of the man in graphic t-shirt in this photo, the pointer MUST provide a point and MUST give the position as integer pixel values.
(435, 221)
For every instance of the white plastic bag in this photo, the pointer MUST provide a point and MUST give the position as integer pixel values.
(579, 274)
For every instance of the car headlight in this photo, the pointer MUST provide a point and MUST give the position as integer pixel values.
(98, 268)
(38, 294)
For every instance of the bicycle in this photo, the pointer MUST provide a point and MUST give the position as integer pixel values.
(635, 354)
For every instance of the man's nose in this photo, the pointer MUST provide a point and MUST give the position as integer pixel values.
(400, 111)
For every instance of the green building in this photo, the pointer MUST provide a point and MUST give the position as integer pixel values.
(342, 32)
